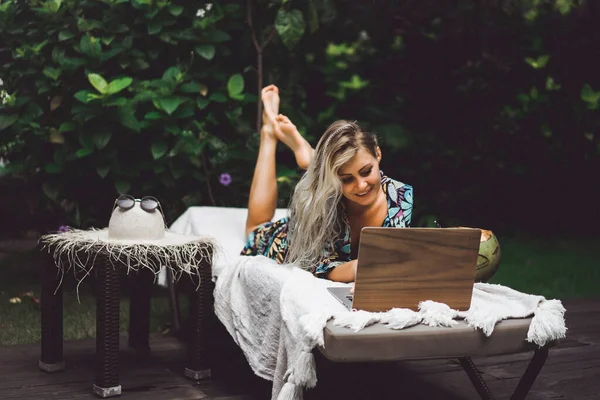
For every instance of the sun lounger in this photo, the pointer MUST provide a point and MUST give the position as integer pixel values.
(378, 343)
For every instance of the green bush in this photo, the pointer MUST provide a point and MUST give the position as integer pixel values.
(121, 96)
(489, 109)
(132, 96)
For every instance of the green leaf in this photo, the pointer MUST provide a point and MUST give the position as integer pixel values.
(102, 171)
(218, 97)
(52, 73)
(99, 83)
(86, 140)
(52, 168)
(202, 102)
(118, 84)
(107, 40)
(122, 186)
(158, 149)
(290, 26)
(126, 117)
(551, 84)
(173, 129)
(58, 55)
(192, 87)
(7, 120)
(116, 102)
(533, 93)
(59, 156)
(90, 46)
(71, 64)
(539, 62)
(64, 35)
(38, 47)
(313, 17)
(355, 83)
(185, 111)
(159, 168)
(83, 96)
(84, 152)
(175, 10)
(589, 95)
(66, 127)
(172, 74)
(168, 104)
(177, 172)
(395, 136)
(206, 51)
(218, 36)
(51, 190)
(153, 115)
(54, 5)
(127, 42)
(564, 6)
(154, 27)
(235, 85)
(101, 139)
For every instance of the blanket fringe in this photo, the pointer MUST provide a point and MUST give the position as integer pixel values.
(548, 323)
(437, 314)
(356, 320)
(290, 391)
(400, 318)
(305, 369)
(485, 320)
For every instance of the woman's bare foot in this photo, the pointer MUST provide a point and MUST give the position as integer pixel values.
(270, 99)
(286, 132)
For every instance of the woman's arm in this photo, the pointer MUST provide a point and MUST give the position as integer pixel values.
(345, 272)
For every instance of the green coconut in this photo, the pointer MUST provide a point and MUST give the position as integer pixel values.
(489, 256)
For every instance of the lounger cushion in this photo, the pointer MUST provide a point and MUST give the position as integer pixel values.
(225, 224)
(380, 343)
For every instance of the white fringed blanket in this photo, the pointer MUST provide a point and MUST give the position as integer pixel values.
(276, 315)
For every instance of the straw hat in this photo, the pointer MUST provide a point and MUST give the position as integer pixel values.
(135, 236)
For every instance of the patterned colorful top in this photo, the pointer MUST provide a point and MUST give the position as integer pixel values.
(270, 238)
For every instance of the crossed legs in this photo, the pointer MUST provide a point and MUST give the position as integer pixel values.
(276, 127)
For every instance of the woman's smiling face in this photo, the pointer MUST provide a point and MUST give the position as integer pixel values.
(361, 181)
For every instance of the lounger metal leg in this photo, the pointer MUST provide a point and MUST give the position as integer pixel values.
(532, 371)
(529, 376)
(476, 378)
(51, 359)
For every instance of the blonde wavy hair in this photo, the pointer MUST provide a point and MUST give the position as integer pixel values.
(316, 209)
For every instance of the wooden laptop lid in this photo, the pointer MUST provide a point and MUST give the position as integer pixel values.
(400, 267)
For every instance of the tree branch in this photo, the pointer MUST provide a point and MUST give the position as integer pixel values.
(210, 195)
(259, 62)
(251, 24)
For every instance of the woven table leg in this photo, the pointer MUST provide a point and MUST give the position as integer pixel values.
(202, 320)
(107, 330)
(51, 359)
(139, 311)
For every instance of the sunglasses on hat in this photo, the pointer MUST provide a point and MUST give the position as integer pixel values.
(147, 203)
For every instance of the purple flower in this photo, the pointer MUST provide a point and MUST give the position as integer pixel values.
(225, 179)
(63, 228)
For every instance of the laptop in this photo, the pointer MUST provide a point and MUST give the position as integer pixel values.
(400, 267)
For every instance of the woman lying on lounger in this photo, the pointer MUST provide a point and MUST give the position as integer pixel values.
(342, 191)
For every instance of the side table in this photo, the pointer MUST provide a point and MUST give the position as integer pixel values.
(62, 256)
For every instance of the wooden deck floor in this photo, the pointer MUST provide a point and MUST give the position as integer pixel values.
(572, 371)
